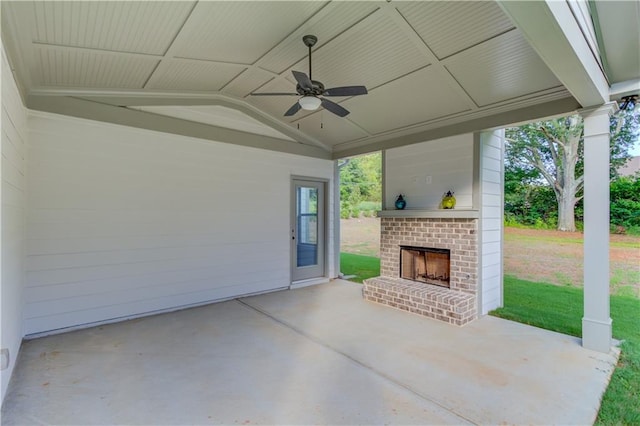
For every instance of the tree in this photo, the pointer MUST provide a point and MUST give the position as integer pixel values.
(553, 150)
(625, 202)
(360, 180)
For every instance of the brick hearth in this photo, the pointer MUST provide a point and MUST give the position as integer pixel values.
(457, 304)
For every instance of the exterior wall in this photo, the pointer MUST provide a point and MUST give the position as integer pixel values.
(447, 163)
(491, 222)
(123, 222)
(12, 212)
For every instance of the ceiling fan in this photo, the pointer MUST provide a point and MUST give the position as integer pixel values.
(313, 93)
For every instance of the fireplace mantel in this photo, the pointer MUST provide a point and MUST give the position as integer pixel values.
(431, 214)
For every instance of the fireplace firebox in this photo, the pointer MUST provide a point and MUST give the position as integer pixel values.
(426, 265)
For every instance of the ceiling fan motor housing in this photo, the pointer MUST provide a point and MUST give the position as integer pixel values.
(317, 90)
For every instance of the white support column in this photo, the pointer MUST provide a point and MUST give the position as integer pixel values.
(336, 220)
(596, 322)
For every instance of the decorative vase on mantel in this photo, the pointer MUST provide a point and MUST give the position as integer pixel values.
(448, 200)
(400, 203)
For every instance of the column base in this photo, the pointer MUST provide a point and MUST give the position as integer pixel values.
(596, 335)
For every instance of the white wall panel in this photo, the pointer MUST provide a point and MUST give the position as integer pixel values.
(491, 224)
(448, 163)
(123, 222)
(12, 213)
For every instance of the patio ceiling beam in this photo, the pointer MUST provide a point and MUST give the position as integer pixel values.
(551, 29)
(92, 110)
(498, 120)
(133, 98)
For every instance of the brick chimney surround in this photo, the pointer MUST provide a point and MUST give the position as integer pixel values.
(455, 230)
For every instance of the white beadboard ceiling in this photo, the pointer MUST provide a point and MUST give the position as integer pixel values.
(424, 63)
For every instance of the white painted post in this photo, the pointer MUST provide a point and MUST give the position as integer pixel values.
(596, 322)
(336, 221)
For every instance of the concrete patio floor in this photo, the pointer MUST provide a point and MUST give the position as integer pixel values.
(317, 355)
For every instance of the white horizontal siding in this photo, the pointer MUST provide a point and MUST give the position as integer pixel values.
(123, 221)
(491, 200)
(12, 213)
(447, 162)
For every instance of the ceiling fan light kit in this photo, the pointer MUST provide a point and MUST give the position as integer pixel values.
(310, 103)
(312, 92)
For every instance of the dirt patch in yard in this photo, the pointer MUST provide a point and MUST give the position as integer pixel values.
(536, 255)
(360, 236)
(557, 257)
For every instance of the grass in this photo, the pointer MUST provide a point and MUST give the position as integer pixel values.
(560, 309)
(370, 205)
(564, 240)
(620, 279)
(362, 267)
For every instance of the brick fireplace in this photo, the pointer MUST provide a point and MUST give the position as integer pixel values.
(452, 298)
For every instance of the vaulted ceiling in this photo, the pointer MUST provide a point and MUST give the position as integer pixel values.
(427, 65)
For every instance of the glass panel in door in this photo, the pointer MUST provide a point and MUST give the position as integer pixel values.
(308, 230)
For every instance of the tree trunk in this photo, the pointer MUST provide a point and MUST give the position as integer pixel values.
(566, 175)
(566, 212)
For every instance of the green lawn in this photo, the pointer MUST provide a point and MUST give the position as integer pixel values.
(560, 309)
(362, 267)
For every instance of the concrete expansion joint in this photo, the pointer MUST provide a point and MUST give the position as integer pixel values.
(358, 362)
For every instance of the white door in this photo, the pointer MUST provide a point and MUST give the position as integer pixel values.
(307, 229)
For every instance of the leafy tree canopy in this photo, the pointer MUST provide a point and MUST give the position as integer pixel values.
(551, 152)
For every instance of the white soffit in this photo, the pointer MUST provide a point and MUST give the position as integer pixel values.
(475, 22)
(620, 26)
(141, 27)
(247, 82)
(426, 64)
(193, 75)
(239, 31)
(406, 102)
(378, 51)
(80, 68)
(502, 68)
(328, 23)
(217, 116)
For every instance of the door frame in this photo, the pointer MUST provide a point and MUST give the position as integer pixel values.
(325, 234)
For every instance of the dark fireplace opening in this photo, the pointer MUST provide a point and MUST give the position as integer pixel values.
(427, 265)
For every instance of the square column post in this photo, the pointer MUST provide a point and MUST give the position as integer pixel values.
(596, 322)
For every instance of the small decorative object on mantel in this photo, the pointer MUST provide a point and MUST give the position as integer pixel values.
(400, 203)
(448, 200)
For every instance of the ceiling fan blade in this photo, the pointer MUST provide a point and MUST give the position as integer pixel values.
(334, 108)
(303, 80)
(346, 91)
(274, 94)
(294, 108)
